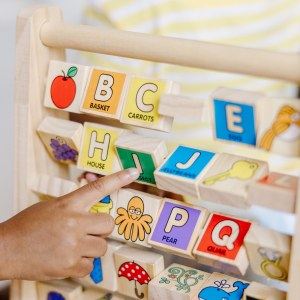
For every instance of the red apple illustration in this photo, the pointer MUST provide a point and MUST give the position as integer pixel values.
(63, 89)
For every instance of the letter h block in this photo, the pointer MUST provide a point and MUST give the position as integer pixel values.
(220, 243)
(97, 153)
(141, 152)
(142, 100)
(177, 227)
(183, 170)
(235, 115)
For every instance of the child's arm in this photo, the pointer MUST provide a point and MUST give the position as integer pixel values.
(54, 239)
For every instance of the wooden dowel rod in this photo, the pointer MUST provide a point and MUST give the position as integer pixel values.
(183, 52)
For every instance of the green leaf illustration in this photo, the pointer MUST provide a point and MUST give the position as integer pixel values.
(164, 280)
(200, 277)
(72, 71)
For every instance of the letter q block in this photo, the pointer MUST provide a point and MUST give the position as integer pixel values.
(142, 100)
(177, 227)
(97, 152)
(235, 115)
(105, 93)
(220, 244)
(183, 170)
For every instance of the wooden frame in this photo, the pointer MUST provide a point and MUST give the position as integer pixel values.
(41, 36)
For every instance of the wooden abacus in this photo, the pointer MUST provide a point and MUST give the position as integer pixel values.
(42, 36)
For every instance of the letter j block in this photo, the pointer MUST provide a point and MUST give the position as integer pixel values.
(183, 170)
(97, 153)
(177, 227)
(235, 115)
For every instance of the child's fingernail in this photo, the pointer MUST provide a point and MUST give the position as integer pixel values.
(91, 177)
(134, 173)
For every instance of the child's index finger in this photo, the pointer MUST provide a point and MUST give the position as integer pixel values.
(88, 195)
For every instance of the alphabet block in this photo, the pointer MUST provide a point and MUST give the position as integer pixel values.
(135, 215)
(227, 180)
(141, 152)
(104, 275)
(220, 286)
(59, 289)
(275, 191)
(268, 252)
(183, 170)
(177, 227)
(142, 99)
(235, 115)
(107, 205)
(65, 85)
(177, 282)
(105, 92)
(220, 244)
(93, 294)
(97, 149)
(184, 107)
(47, 187)
(279, 128)
(258, 291)
(61, 138)
(135, 269)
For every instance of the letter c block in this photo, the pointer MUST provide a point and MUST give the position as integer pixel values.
(235, 115)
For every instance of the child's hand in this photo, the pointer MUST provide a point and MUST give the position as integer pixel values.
(56, 238)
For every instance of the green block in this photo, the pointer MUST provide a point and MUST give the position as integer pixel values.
(146, 162)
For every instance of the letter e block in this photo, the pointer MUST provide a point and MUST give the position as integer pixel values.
(141, 152)
(235, 115)
(61, 139)
(104, 275)
(142, 100)
(268, 252)
(135, 269)
(220, 244)
(65, 86)
(105, 92)
(220, 287)
(135, 215)
(228, 179)
(177, 227)
(97, 149)
(275, 191)
(177, 282)
(183, 170)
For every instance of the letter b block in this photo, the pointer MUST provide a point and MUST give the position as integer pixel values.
(97, 149)
(235, 115)
(142, 99)
(177, 227)
(220, 244)
(105, 93)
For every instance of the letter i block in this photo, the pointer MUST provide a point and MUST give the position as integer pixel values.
(183, 170)
(97, 149)
(220, 287)
(105, 92)
(228, 179)
(141, 152)
(258, 291)
(142, 100)
(61, 139)
(268, 252)
(177, 282)
(220, 244)
(135, 269)
(135, 215)
(59, 289)
(177, 227)
(104, 274)
(235, 115)
(275, 191)
(65, 86)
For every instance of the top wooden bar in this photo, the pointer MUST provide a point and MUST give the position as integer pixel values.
(183, 52)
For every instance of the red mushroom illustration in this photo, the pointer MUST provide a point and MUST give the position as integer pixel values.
(132, 271)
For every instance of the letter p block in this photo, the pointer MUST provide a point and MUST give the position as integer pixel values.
(235, 115)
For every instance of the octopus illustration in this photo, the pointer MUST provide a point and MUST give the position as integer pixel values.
(132, 221)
